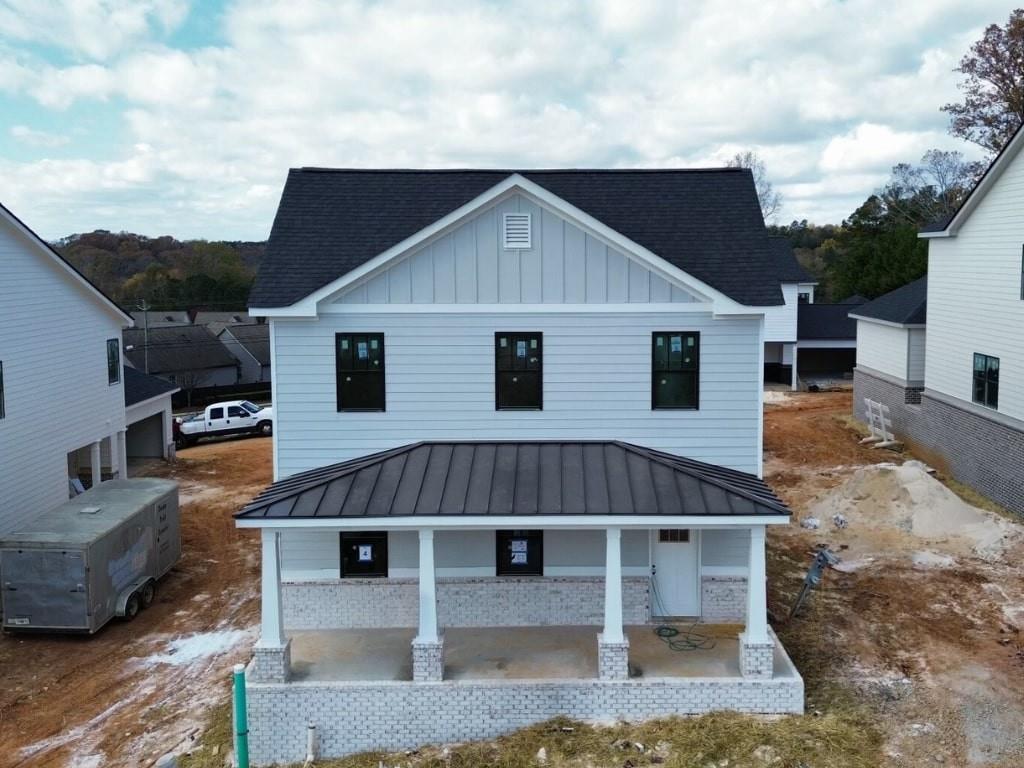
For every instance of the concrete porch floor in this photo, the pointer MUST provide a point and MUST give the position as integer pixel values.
(511, 653)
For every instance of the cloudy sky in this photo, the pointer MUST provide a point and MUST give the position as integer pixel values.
(177, 117)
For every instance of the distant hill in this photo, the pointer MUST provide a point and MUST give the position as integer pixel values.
(168, 273)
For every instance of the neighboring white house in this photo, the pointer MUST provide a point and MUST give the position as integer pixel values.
(971, 412)
(517, 423)
(62, 413)
(250, 344)
(780, 322)
(148, 415)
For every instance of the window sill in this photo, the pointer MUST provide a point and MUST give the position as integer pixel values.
(675, 408)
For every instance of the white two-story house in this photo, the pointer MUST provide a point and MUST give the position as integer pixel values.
(62, 405)
(946, 353)
(518, 427)
(780, 322)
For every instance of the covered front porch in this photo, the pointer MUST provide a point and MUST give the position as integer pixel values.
(522, 653)
(516, 493)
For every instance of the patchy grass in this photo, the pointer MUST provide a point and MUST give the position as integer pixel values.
(217, 740)
(837, 741)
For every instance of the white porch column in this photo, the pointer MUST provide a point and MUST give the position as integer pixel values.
(96, 464)
(613, 587)
(756, 646)
(272, 654)
(612, 645)
(794, 384)
(428, 646)
(122, 454)
(428, 588)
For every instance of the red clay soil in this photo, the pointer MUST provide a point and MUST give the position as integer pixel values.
(89, 701)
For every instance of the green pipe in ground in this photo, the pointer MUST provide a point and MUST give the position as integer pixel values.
(241, 719)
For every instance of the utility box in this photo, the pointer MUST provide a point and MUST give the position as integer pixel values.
(94, 557)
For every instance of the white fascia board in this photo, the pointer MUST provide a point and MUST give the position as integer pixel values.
(489, 523)
(890, 323)
(307, 307)
(42, 246)
(991, 176)
(147, 401)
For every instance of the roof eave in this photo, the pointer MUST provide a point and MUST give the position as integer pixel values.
(491, 522)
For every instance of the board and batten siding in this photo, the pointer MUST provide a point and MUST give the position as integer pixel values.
(780, 321)
(883, 348)
(315, 555)
(469, 266)
(439, 374)
(974, 297)
(53, 345)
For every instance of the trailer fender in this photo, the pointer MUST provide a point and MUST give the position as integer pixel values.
(122, 599)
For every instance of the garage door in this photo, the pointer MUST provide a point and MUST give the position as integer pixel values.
(146, 438)
(826, 362)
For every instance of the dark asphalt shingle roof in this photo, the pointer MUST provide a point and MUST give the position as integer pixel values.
(706, 222)
(787, 267)
(907, 305)
(255, 338)
(516, 478)
(139, 387)
(178, 348)
(825, 321)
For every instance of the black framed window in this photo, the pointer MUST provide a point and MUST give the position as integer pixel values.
(674, 535)
(364, 554)
(3, 409)
(518, 374)
(986, 380)
(113, 361)
(675, 369)
(520, 553)
(360, 366)
(803, 297)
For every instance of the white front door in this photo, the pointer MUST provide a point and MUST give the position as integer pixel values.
(676, 575)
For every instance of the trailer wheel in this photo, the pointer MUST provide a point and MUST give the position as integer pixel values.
(266, 428)
(147, 594)
(132, 606)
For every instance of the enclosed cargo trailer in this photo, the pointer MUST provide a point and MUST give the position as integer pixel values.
(96, 556)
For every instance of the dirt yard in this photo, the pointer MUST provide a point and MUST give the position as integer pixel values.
(917, 629)
(138, 690)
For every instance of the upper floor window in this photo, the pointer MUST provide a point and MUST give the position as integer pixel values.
(986, 380)
(675, 369)
(113, 361)
(3, 411)
(803, 297)
(360, 369)
(518, 375)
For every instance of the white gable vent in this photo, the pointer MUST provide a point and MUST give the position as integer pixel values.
(516, 230)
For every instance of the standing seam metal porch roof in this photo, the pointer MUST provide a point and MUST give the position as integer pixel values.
(438, 479)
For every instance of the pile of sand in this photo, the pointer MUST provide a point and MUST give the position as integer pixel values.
(906, 497)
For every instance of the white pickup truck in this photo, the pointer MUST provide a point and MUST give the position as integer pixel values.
(233, 417)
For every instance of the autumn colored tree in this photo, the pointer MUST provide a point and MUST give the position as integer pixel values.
(993, 88)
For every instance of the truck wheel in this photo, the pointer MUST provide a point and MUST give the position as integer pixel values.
(133, 606)
(266, 428)
(180, 442)
(147, 594)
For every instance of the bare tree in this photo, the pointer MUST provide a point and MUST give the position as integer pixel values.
(931, 190)
(190, 381)
(769, 198)
(993, 105)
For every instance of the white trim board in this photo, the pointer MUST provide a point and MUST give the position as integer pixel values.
(489, 523)
(827, 344)
(890, 323)
(515, 183)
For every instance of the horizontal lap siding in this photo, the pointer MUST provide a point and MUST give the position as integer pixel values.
(882, 348)
(53, 348)
(440, 385)
(780, 321)
(974, 297)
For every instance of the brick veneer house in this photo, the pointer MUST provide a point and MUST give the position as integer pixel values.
(946, 353)
(519, 425)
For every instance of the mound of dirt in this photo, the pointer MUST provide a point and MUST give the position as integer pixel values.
(906, 497)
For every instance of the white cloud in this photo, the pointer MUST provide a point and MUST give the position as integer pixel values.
(34, 138)
(830, 94)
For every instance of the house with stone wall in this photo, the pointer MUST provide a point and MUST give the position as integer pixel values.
(946, 353)
(518, 446)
